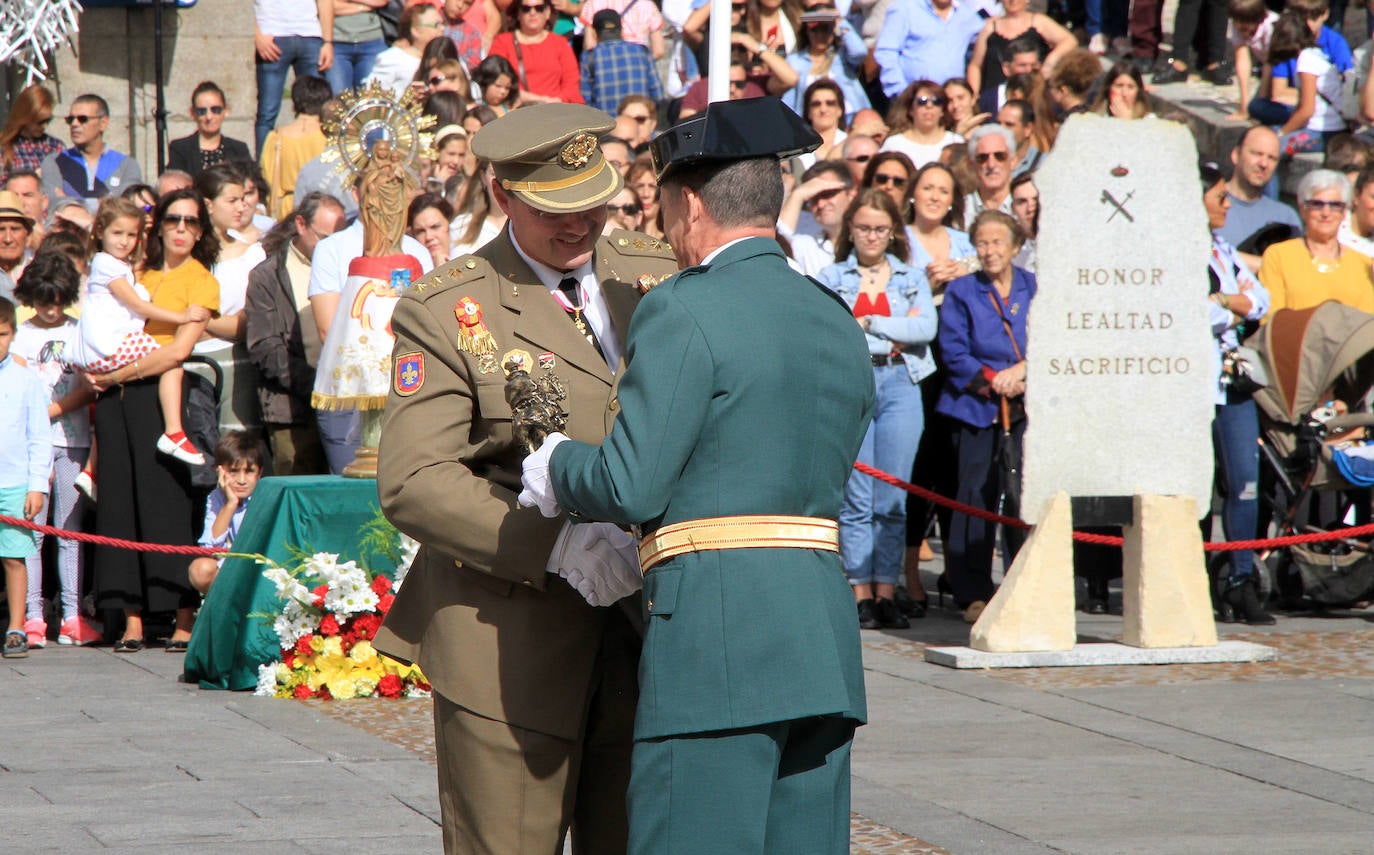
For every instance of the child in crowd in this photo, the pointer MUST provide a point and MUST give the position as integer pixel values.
(240, 458)
(1252, 23)
(1316, 114)
(116, 307)
(25, 464)
(48, 286)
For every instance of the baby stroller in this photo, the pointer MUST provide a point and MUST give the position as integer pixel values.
(1314, 357)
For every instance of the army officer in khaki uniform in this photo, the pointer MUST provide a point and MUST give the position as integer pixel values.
(746, 396)
(534, 688)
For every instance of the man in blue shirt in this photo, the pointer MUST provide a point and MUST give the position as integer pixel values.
(925, 40)
(616, 68)
(1255, 157)
(89, 170)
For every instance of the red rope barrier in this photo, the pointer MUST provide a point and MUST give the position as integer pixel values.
(1108, 540)
(101, 540)
(960, 507)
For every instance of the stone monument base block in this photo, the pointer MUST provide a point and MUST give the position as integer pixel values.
(1106, 653)
(1164, 581)
(1033, 609)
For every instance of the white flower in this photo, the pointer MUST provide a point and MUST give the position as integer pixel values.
(410, 547)
(267, 680)
(288, 586)
(351, 598)
(417, 692)
(293, 622)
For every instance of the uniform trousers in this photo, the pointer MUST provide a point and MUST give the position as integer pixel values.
(506, 790)
(144, 496)
(774, 789)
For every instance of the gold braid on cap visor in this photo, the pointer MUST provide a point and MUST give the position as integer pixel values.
(550, 186)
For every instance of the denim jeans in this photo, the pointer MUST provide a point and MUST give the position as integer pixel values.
(1235, 439)
(1106, 16)
(299, 52)
(353, 63)
(873, 516)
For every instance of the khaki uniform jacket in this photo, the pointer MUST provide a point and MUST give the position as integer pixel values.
(491, 629)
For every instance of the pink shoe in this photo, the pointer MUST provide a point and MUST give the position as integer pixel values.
(181, 449)
(78, 631)
(36, 631)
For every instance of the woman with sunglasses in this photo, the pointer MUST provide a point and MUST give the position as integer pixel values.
(141, 498)
(893, 306)
(1017, 21)
(624, 212)
(430, 78)
(1314, 268)
(207, 146)
(891, 172)
(25, 141)
(546, 69)
(395, 67)
(830, 50)
(916, 123)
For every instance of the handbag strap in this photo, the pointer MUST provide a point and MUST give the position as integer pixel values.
(520, 61)
(1006, 325)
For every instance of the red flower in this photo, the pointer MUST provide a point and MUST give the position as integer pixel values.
(381, 585)
(288, 657)
(323, 694)
(384, 603)
(320, 591)
(303, 645)
(366, 625)
(390, 686)
(329, 626)
(302, 692)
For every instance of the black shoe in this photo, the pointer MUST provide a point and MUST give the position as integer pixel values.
(907, 605)
(868, 617)
(1169, 74)
(1216, 76)
(942, 587)
(1242, 597)
(889, 616)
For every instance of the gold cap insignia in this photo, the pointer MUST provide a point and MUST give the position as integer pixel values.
(577, 151)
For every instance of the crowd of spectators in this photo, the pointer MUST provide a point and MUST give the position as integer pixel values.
(918, 206)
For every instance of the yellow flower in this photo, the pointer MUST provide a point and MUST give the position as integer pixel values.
(333, 646)
(365, 687)
(363, 653)
(317, 643)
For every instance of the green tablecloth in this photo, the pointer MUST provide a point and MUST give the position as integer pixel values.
(317, 513)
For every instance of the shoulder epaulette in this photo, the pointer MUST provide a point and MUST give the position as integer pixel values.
(459, 271)
(639, 244)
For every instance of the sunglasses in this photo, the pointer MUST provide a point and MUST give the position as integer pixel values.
(174, 220)
(999, 156)
(1322, 205)
(930, 100)
(208, 111)
(861, 158)
(80, 120)
(437, 79)
(542, 7)
(629, 210)
(881, 180)
(738, 84)
(826, 102)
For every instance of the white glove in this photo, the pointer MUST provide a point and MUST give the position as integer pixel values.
(538, 492)
(599, 560)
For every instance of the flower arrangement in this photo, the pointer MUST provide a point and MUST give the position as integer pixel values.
(330, 612)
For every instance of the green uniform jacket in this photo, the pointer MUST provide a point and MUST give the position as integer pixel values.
(492, 630)
(748, 391)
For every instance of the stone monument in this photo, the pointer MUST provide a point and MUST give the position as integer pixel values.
(1120, 382)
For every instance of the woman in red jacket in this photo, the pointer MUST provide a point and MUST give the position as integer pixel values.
(545, 67)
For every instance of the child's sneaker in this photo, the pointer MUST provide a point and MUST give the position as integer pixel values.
(36, 632)
(78, 631)
(16, 645)
(181, 449)
(85, 484)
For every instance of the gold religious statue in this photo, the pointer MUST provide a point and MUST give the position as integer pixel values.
(385, 188)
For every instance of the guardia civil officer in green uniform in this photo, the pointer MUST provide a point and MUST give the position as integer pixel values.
(534, 688)
(746, 397)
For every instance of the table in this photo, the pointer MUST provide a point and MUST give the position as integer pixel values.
(313, 513)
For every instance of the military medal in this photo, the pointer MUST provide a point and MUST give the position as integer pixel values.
(516, 360)
(487, 363)
(473, 335)
(646, 283)
(576, 311)
(546, 361)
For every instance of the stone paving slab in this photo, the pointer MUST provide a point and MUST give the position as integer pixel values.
(1101, 653)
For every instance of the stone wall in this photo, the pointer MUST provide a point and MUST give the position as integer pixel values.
(212, 40)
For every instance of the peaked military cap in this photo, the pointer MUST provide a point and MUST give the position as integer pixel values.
(548, 156)
(734, 130)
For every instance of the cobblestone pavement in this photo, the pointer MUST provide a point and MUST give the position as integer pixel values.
(410, 724)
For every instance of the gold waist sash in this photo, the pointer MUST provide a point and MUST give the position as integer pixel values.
(739, 532)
